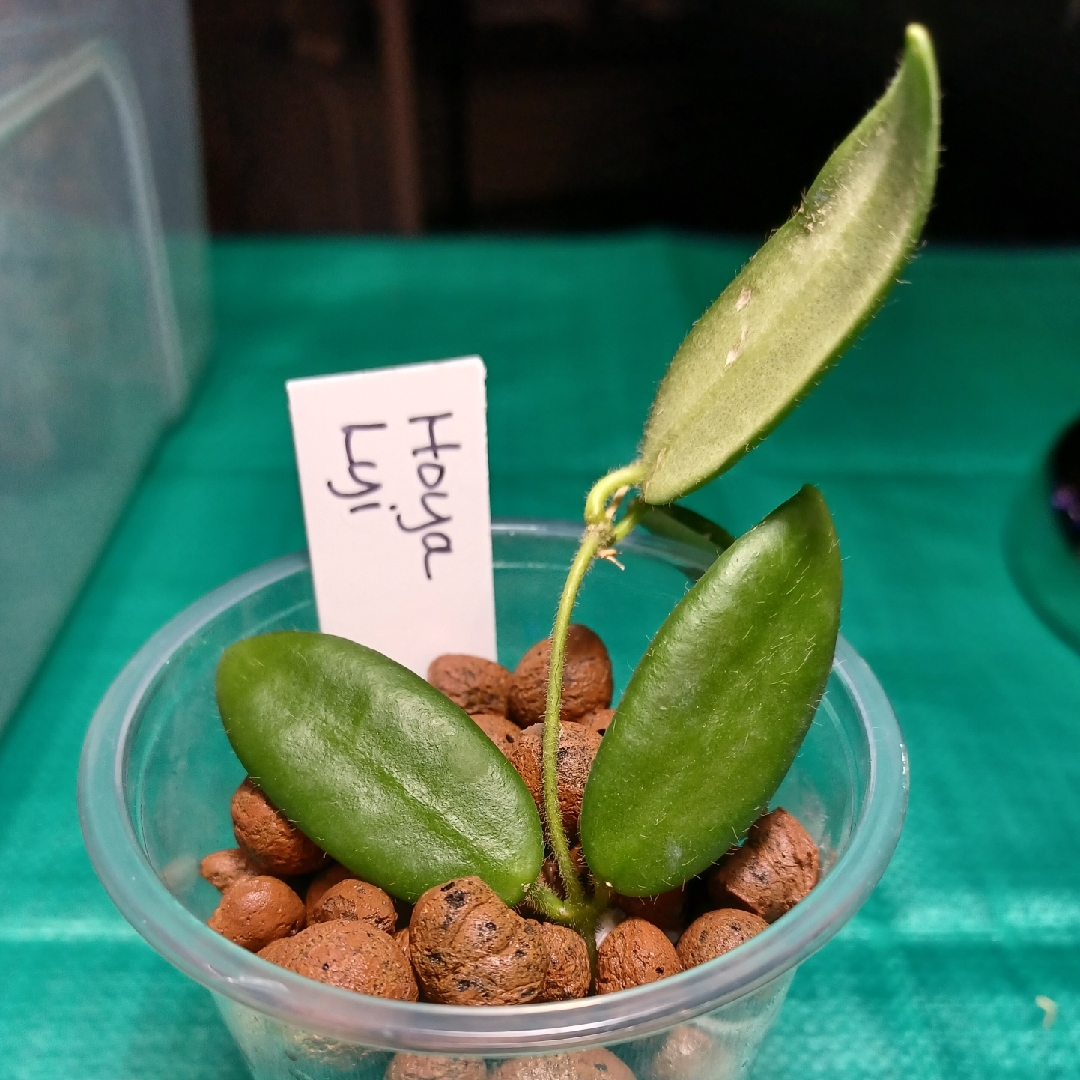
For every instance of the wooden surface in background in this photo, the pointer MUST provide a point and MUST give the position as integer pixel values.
(568, 114)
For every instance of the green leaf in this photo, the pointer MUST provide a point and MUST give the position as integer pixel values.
(806, 295)
(687, 527)
(718, 706)
(376, 766)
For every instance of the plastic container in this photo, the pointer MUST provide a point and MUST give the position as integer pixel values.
(103, 324)
(157, 774)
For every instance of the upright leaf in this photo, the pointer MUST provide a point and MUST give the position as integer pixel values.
(380, 769)
(718, 706)
(805, 296)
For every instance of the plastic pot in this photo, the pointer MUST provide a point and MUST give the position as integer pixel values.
(157, 774)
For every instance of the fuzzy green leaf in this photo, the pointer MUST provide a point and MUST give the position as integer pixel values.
(806, 294)
(718, 706)
(379, 768)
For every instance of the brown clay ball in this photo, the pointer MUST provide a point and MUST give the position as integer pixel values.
(587, 681)
(689, 1051)
(775, 869)
(429, 1067)
(355, 899)
(352, 955)
(665, 910)
(599, 720)
(568, 975)
(321, 884)
(402, 940)
(223, 868)
(577, 748)
(255, 911)
(633, 954)
(469, 948)
(715, 933)
(502, 732)
(476, 684)
(268, 834)
(583, 1065)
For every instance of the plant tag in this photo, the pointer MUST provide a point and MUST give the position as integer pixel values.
(394, 481)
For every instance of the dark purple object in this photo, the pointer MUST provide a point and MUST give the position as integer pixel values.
(1064, 466)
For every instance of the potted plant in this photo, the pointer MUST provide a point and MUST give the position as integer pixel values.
(704, 734)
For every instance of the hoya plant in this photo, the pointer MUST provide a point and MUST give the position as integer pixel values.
(403, 788)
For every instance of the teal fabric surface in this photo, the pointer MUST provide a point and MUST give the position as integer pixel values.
(919, 441)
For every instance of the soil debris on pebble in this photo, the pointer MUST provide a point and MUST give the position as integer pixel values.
(774, 869)
(587, 679)
(352, 955)
(475, 684)
(267, 833)
(255, 911)
(469, 948)
(633, 954)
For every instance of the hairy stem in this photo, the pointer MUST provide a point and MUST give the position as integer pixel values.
(582, 918)
(591, 542)
(601, 533)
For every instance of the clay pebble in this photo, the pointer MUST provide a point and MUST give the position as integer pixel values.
(267, 833)
(430, 1067)
(476, 684)
(665, 911)
(584, 1065)
(352, 955)
(469, 948)
(223, 868)
(633, 954)
(321, 884)
(715, 933)
(502, 732)
(255, 911)
(577, 749)
(587, 679)
(357, 900)
(568, 975)
(775, 868)
(689, 1051)
(599, 720)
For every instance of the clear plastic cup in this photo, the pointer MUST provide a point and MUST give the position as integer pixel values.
(157, 774)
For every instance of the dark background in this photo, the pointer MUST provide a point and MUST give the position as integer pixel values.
(585, 114)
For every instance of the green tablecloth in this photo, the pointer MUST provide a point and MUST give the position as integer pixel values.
(918, 440)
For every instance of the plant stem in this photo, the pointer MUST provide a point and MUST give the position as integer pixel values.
(583, 918)
(591, 542)
(597, 511)
(600, 534)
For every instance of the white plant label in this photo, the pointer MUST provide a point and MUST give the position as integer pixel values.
(394, 480)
